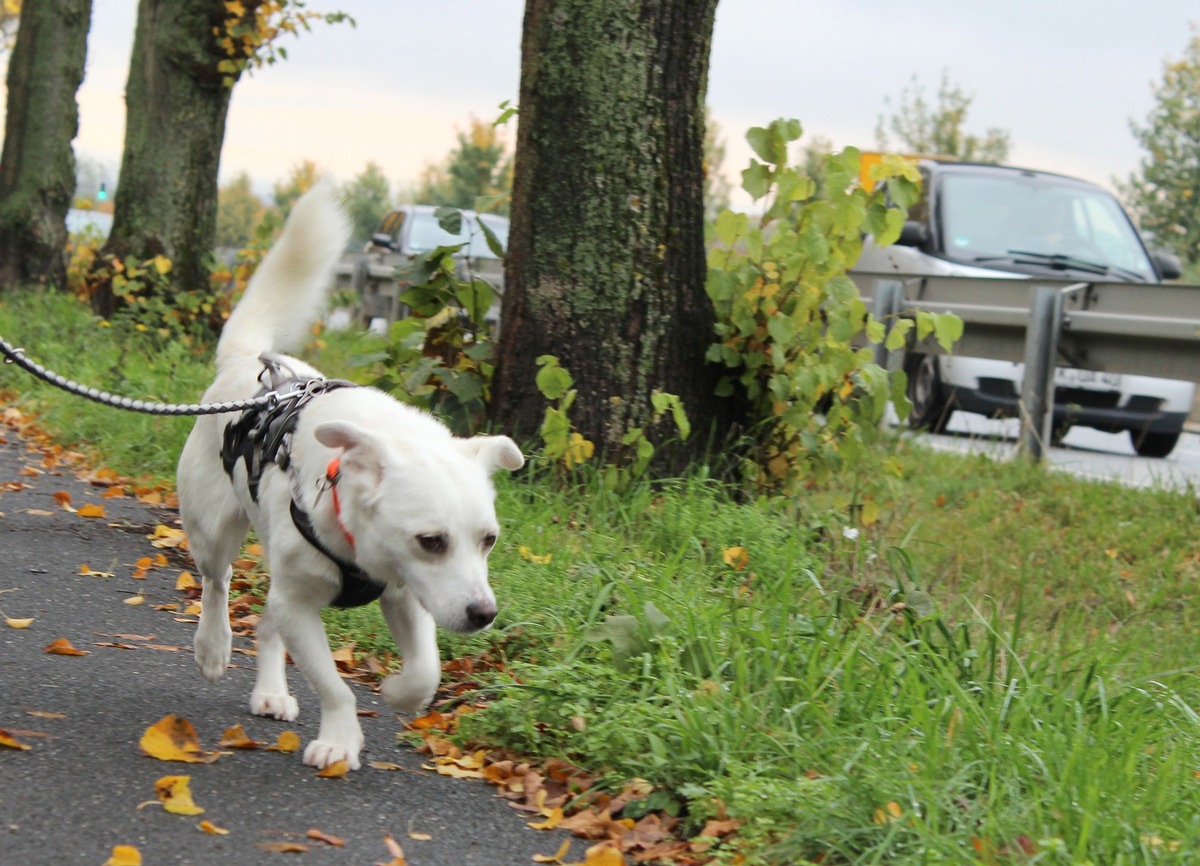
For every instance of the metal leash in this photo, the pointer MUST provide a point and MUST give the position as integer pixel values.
(17, 356)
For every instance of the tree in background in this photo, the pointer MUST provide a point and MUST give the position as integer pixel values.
(368, 200)
(1164, 194)
(38, 180)
(187, 56)
(937, 130)
(606, 259)
(475, 168)
(10, 12)
(716, 186)
(239, 211)
(288, 191)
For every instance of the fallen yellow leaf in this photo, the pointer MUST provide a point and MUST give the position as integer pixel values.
(210, 827)
(605, 853)
(62, 647)
(288, 741)
(335, 770)
(63, 498)
(553, 819)
(91, 510)
(173, 738)
(554, 858)
(888, 813)
(176, 795)
(236, 738)
(12, 622)
(87, 571)
(8, 741)
(396, 851)
(166, 537)
(135, 599)
(317, 835)
(124, 855)
(186, 581)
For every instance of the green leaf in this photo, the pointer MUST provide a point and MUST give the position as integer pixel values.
(450, 219)
(897, 338)
(730, 226)
(493, 242)
(756, 180)
(552, 380)
(948, 329)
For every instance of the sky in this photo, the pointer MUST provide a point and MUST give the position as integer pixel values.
(1064, 77)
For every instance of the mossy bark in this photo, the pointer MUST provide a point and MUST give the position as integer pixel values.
(176, 101)
(37, 182)
(606, 260)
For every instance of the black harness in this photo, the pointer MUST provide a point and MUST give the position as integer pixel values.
(261, 436)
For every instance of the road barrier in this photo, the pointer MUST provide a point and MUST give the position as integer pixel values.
(1150, 329)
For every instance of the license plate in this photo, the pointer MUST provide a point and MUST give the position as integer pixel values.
(1094, 380)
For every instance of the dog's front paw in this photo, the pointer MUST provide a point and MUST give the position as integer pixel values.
(408, 693)
(282, 707)
(322, 753)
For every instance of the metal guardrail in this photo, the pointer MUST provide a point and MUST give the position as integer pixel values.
(1151, 329)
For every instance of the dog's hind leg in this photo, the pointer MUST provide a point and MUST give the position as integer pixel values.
(216, 527)
(415, 635)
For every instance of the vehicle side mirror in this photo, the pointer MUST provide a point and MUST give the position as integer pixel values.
(382, 240)
(914, 234)
(1167, 265)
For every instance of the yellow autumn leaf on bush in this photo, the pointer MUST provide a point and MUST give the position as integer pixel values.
(736, 558)
(175, 793)
(161, 264)
(124, 855)
(579, 450)
(173, 738)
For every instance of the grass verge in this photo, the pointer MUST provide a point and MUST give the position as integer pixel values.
(941, 660)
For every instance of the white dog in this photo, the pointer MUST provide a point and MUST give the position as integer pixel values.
(353, 494)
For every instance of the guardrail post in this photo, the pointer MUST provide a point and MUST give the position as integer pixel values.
(889, 301)
(1041, 351)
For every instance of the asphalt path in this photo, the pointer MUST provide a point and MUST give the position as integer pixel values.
(75, 793)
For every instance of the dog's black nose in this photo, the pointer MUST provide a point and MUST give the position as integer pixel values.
(480, 614)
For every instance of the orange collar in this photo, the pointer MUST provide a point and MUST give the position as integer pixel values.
(333, 473)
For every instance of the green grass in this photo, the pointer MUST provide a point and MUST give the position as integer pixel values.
(1003, 662)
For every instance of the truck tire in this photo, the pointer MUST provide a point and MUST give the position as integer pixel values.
(1148, 444)
(931, 405)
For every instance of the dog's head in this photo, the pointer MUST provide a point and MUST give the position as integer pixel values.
(424, 518)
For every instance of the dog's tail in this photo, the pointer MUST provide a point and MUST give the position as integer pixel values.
(287, 292)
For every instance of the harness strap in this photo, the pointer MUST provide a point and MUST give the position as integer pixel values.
(357, 587)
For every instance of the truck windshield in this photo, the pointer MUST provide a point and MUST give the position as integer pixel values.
(989, 218)
(426, 234)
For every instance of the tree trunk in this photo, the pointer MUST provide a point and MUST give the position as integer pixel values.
(37, 169)
(606, 262)
(176, 105)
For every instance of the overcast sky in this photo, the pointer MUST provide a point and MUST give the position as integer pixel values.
(1064, 77)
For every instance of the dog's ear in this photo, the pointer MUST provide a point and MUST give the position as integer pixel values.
(361, 450)
(496, 452)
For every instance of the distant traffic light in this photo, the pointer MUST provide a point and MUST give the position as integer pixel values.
(103, 194)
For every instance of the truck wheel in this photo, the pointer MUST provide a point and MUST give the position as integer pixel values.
(931, 409)
(1148, 444)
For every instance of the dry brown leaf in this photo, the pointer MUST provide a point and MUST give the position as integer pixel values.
(283, 847)
(8, 741)
(384, 765)
(63, 498)
(318, 836)
(63, 647)
(396, 851)
(288, 741)
(175, 793)
(124, 855)
(210, 827)
(43, 714)
(91, 510)
(173, 738)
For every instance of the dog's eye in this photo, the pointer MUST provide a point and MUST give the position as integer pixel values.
(432, 543)
(489, 541)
